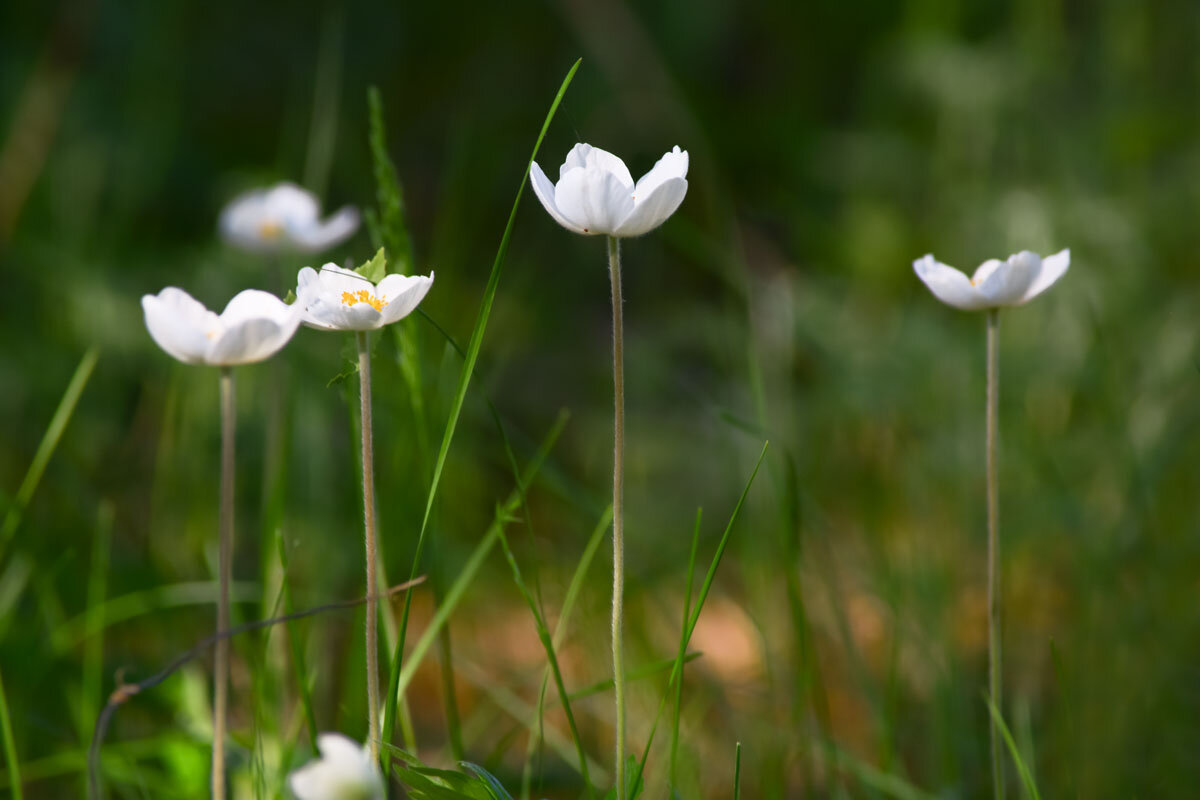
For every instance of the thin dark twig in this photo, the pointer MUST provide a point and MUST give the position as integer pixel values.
(125, 691)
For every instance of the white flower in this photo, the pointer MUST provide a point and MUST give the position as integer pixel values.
(595, 193)
(344, 771)
(337, 299)
(254, 326)
(996, 283)
(284, 217)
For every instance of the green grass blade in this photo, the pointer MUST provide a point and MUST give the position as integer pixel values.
(464, 380)
(523, 712)
(10, 747)
(875, 779)
(737, 772)
(560, 630)
(402, 672)
(97, 588)
(1023, 770)
(393, 232)
(544, 636)
(495, 788)
(687, 610)
(691, 623)
(298, 667)
(58, 424)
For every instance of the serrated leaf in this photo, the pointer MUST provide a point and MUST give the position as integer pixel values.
(375, 269)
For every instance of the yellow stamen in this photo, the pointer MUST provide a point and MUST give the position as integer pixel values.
(270, 230)
(363, 296)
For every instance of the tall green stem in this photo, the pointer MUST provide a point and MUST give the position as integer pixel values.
(368, 478)
(224, 573)
(993, 589)
(614, 271)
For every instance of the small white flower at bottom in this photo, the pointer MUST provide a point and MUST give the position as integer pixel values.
(344, 771)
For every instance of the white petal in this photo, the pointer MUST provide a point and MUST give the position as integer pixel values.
(344, 772)
(576, 159)
(595, 200)
(544, 190)
(323, 235)
(246, 342)
(335, 280)
(290, 204)
(652, 210)
(263, 219)
(178, 324)
(606, 162)
(402, 294)
(340, 750)
(255, 303)
(672, 165)
(588, 157)
(1053, 268)
(1006, 284)
(948, 284)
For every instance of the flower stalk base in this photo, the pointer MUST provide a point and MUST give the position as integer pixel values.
(368, 478)
(993, 587)
(614, 269)
(224, 574)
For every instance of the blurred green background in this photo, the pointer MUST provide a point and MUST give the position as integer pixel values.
(831, 144)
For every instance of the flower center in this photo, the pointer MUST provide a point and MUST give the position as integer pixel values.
(270, 230)
(363, 296)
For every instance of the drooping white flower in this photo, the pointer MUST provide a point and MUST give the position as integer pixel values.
(996, 283)
(254, 326)
(595, 193)
(337, 299)
(345, 771)
(284, 217)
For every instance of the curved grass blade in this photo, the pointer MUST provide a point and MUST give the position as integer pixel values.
(10, 746)
(737, 772)
(496, 788)
(58, 424)
(687, 610)
(686, 634)
(464, 380)
(560, 629)
(402, 674)
(1023, 770)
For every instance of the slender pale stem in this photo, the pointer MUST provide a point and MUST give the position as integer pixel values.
(993, 589)
(368, 477)
(224, 573)
(614, 271)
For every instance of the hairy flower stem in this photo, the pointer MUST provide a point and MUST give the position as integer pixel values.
(368, 477)
(224, 573)
(614, 271)
(993, 588)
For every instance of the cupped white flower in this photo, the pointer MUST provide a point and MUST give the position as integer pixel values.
(996, 283)
(345, 771)
(595, 193)
(337, 299)
(284, 217)
(254, 326)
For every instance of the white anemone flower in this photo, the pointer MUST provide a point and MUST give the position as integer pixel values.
(596, 195)
(284, 217)
(337, 299)
(996, 283)
(254, 326)
(345, 771)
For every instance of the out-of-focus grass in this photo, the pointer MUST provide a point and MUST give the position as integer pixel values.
(831, 143)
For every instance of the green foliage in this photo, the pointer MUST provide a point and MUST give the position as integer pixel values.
(389, 222)
(376, 268)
